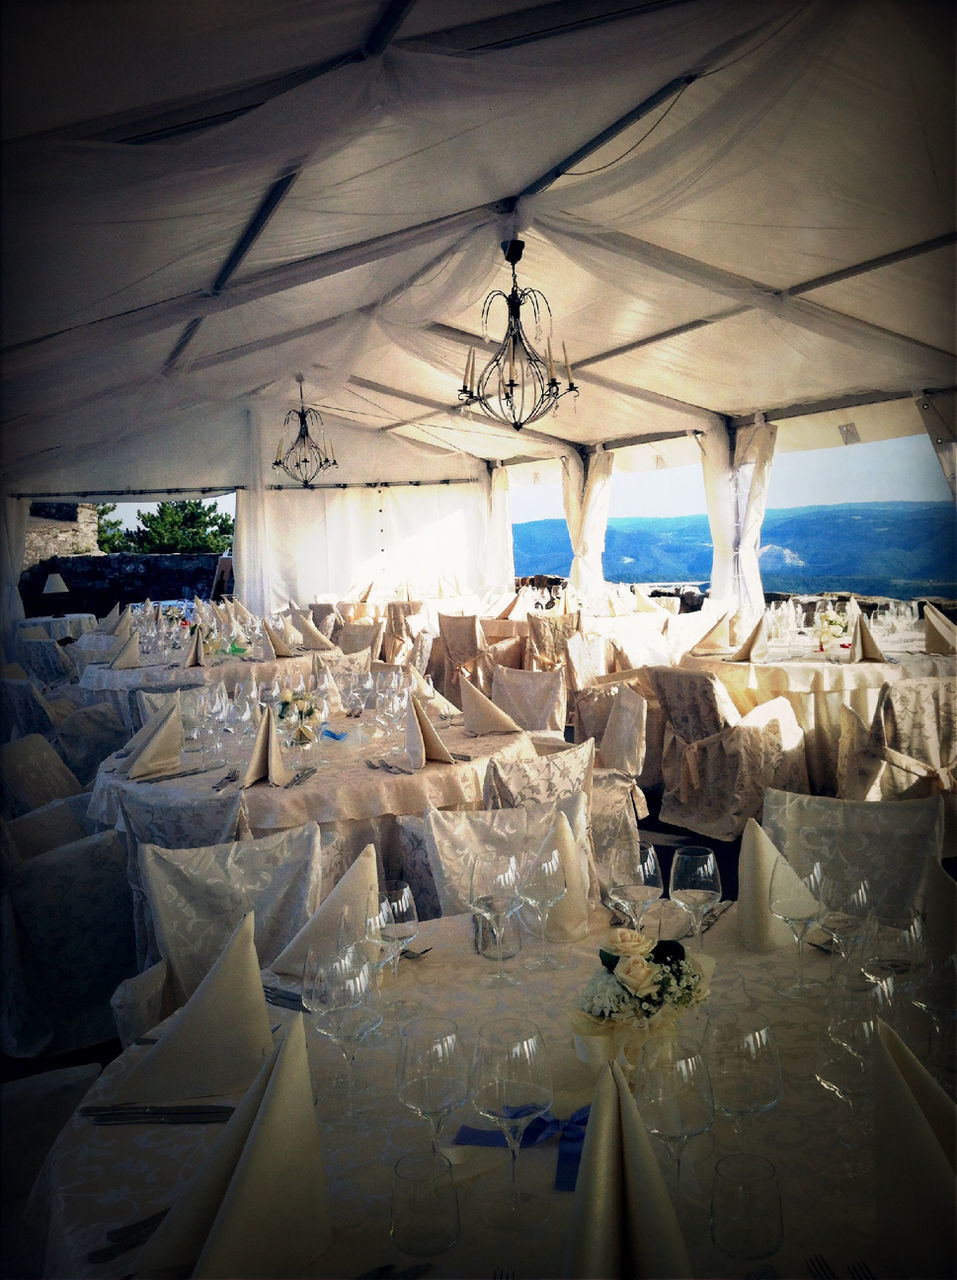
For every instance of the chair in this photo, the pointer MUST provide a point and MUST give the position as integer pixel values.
(57, 823)
(536, 701)
(463, 640)
(145, 819)
(887, 842)
(547, 634)
(716, 765)
(197, 896)
(32, 775)
(354, 637)
(67, 940)
(326, 618)
(46, 659)
(398, 634)
(908, 750)
(85, 736)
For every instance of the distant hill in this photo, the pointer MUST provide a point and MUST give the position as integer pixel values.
(898, 549)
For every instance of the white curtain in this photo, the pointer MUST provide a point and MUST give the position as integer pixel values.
(252, 567)
(753, 454)
(719, 498)
(498, 562)
(585, 498)
(16, 511)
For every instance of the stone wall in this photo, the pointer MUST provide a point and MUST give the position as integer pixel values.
(60, 529)
(97, 582)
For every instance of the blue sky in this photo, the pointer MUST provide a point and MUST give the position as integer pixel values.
(902, 470)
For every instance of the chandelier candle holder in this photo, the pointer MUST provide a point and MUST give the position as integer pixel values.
(517, 386)
(306, 457)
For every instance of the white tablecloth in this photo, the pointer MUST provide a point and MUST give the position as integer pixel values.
(59, 627)
(97, 1178)
(817, 688)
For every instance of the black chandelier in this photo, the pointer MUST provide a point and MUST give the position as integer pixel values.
(305, 457)
(517, 386)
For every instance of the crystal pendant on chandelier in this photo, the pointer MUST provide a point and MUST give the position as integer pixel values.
(305, 457)
(517, 386)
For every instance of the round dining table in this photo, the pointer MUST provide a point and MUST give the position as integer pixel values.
(99, 1178)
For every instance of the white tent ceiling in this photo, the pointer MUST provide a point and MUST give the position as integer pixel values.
(733, 207)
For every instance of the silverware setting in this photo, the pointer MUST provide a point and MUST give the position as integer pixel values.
(819, 1267)
(226, 780)
(860, 1271)
(388, 767)
(302, 776)
(283, 999)
(414, 955)
(130, 1236)
(134, 1113)
(165, 777)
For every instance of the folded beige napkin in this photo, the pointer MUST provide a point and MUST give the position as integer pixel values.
(266, 760)
(105, 625)
(481, 714)
(940, 634)
(717, 639)
(194, 654)
(312, 637)
(915, 1124)
(758, 929)
(430, 698)
(257, 1205)
(755, 647)
(290, 634)
(623, 1221)
(353, 891)
(242, 613)
(219, 1039)
(864, 647)
(422, 743)
(266, 646)
(127, 655)
(279, 646)
(568, 918)
(159, 750)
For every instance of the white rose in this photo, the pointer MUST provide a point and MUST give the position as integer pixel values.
(627, 942)
(638, 975)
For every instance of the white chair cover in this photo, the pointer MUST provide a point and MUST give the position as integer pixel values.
(534, 699)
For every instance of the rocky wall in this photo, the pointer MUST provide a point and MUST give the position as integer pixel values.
(97, 582)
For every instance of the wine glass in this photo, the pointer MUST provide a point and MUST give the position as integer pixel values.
(396, 924)
(845, 900)
(432, 1071)
(674, 1095)
(796, 900)
(695, 884)
(542, 885)
(746, 1207)
(511, 1085)
(335, 988)
(494, 895)
(635, 879)
(744, 1066)
(894, 952)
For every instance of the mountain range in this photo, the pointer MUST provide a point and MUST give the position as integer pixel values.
(897, 549)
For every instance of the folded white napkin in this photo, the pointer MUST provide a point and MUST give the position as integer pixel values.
(124, 624)
(128, 655)
(290, 634)
(940, 634)
(864, 647)
(279, 646)
(194, 654)
(915, 1124)
(758, 929)
(353, 891)
(568, 918)
(755, 647)
(218, 1041)
(481, 714)
(312, 637)
(257, 1206)
(422, 743)
(433, 701)
(266, 761)
(242, 613)
(159, 750)
(105, 625)
(623, 1221)
(717, 639)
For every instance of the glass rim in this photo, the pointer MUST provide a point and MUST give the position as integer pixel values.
(758, 1168)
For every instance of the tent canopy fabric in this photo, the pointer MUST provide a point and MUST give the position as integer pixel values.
(734, 209)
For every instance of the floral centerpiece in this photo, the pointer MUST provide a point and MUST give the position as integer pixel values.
(301, 708)
(641, 990)
(830, 627)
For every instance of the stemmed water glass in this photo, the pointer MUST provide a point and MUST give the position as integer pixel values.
(674, 1095)
(635, 879)
(396, 924)
(432, 1073)
(494, 895)
(511, 1085)
(894, 951)
(336, 986)
(845, 902)
(744, 1066)
(796, 900)
(695, 884)
(542, 885)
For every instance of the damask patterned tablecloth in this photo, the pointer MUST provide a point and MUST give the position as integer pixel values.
(61, 626)
(97, 1178)
(817, 688)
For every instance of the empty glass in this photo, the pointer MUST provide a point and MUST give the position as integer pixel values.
(432, 1071)
(494, 895)
(425, 1208)
(398, 923)
(744, 1066)
(746, 1207)
(674, 1095)
(542, 885)
(796, 900)
(695, 884)
(635, 879)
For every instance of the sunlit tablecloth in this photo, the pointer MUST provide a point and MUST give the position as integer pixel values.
(98, 1178)
(61, 626)
(352, 803)
(817, 688)
(160, 672)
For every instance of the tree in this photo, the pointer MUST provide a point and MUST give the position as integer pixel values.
(110, 534)
(188, 527)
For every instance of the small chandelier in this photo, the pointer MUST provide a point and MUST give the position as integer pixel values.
(305, 457)
(517, 386)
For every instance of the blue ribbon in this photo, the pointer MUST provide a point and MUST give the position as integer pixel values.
(326, 732)
(570, 1133)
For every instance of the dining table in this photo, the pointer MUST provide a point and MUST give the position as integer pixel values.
(348, 793)
(817, 684)
(100, 1178)
(60, 626)
(165, 672)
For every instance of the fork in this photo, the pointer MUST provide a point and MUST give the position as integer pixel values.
(503, 1273)
(819, 1267)
(229, 777)
(860, 1271)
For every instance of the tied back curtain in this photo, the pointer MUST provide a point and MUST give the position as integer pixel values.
(585, 499)
(14, 530)
(498, 562)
